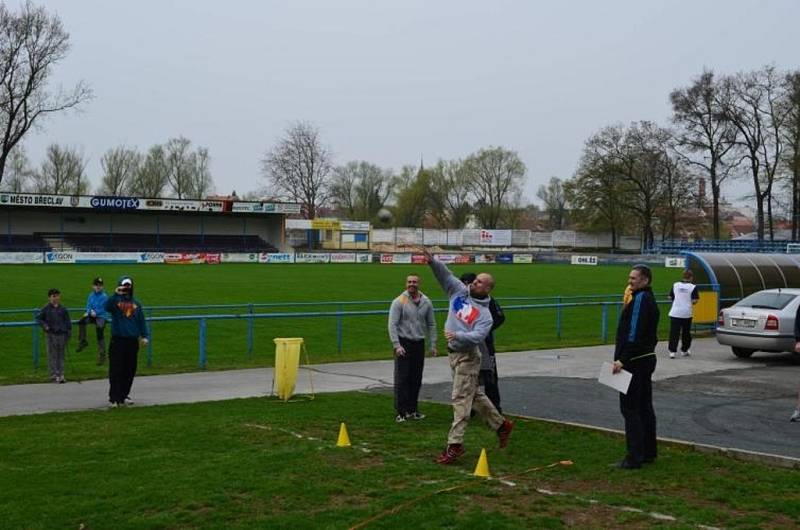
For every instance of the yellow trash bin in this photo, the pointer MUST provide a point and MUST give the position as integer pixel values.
(287, 363)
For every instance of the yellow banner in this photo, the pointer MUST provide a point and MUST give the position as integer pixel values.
(325, 224)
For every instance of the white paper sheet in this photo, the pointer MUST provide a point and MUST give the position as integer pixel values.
(619, 382)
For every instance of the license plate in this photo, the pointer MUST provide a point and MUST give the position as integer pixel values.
(743, 322)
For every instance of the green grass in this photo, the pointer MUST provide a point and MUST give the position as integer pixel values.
(259, 463)
(175, 344)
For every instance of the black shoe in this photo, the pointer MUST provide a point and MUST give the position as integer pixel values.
(81, 346)
(627, 464)
(649, 460)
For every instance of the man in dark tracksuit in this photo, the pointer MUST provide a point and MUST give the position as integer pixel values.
(637, 336)
(488, 374)
(128, 327)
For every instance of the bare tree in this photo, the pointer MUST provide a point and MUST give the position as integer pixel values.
(120, 166)
(791, 138)
(755, 110)
(705, 138)
(496, 174)
(677, 196)
(555, 202)
(451, 190)
(19, 175)
(360, 189)
(181, 166)
(62, 172)
(201, 182)
(151, 178)
(299, 167)
(32, 43)
(595, 192)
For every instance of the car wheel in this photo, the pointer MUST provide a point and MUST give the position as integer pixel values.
(742, 353)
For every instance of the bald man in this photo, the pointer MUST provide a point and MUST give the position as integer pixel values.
(468, 323)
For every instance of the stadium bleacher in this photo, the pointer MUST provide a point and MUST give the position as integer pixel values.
(105, 242)
(732, 245)
(23, 243)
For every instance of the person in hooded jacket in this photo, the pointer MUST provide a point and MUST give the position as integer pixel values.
(128, 329)
(468, 323)
(637, 336)
(95, 313)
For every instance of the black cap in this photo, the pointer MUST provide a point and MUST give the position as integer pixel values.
(97, 281)
(53, 291)
(468, 277)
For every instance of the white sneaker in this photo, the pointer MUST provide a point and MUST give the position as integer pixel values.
(400, 418)
(672, 355)
(129, 401)
(795, 416)
(686, 353)
(112, 405)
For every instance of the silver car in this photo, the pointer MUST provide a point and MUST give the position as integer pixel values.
(763, 321)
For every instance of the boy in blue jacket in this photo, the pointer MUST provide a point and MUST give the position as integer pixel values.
(128, 328)
(95, 314)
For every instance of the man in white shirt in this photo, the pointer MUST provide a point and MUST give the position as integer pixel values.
(684, 295)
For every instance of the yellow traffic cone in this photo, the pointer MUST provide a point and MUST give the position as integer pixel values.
(344, 439)
(482, 469)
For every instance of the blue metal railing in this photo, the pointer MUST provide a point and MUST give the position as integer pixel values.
(340, 314)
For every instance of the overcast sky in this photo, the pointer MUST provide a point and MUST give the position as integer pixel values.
(390, 82)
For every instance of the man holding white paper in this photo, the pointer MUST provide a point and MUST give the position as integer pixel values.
(637, 336)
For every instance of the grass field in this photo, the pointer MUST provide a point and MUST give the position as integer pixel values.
(175, 344)
(259, 463)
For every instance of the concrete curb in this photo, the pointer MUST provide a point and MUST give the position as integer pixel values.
(737, 454)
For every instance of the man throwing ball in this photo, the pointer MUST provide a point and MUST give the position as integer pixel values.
(468, 323)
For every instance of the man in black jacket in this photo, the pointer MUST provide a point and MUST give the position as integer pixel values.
(637, 336)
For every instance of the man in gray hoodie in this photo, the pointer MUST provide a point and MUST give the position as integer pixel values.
(410, 320)
(468, 323)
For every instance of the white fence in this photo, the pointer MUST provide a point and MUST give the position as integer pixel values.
(500, 238)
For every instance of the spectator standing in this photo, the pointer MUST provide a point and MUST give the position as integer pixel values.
(128, 328)
(796, 414)
(54, 319)
(410, 320)
(637, 336)
(684, 295)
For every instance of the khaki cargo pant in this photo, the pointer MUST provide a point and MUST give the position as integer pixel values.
(468, 395)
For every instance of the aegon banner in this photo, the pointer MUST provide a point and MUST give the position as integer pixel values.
(584, 260)
(275, 257)
(20, 258)
(151, 257)
(59, 257)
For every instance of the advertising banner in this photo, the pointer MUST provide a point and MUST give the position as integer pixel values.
(265, 207)
(675, 263)
(496, 238)
(151, 257)
(312, 257)
(59, 257)
(106, 257)
(275, 257)
(213, 259)
(462, 258)
(523, 258)
(114, 203)
(344, 257)
(184, 259)
(387, 259)
(325, 224)
(504, 258)
(419, 258)
(34, 199)
(446, 258)
(402, 258)
(484, 258)
(20, 258)
(363, 258)
(584, 260)
(240, 257)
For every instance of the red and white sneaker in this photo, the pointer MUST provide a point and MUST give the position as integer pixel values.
(450, 454)
(504, 433)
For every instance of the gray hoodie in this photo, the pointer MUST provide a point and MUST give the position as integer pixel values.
(411, 320)
(468, 317)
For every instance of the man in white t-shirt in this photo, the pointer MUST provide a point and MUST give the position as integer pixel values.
(684, 295)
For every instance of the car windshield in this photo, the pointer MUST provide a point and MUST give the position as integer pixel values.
(764, 300)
